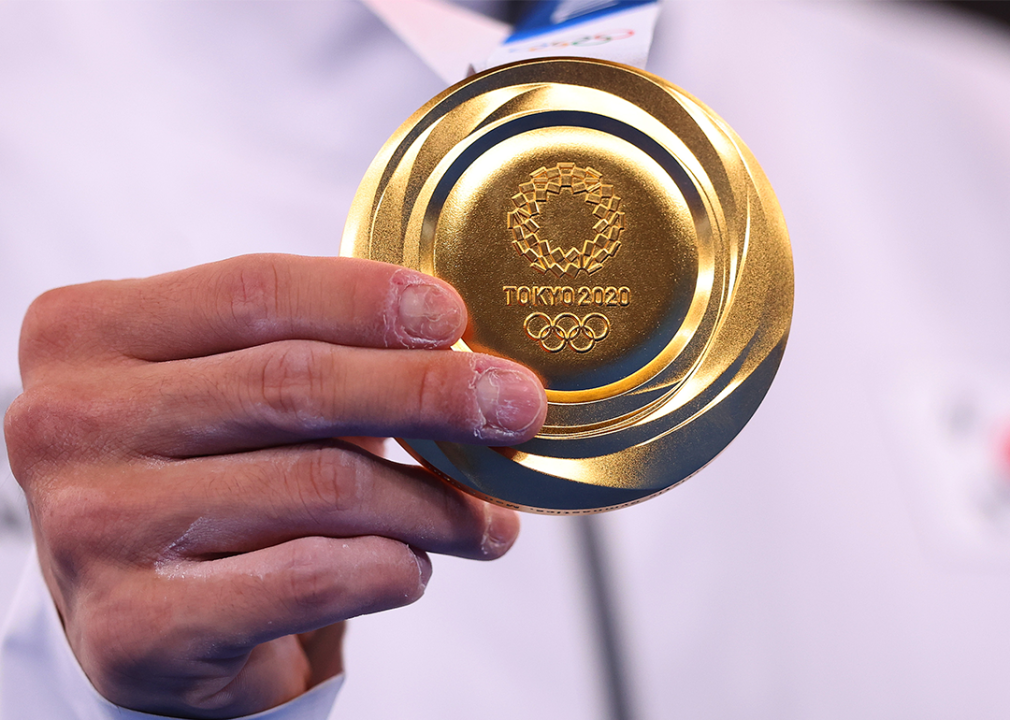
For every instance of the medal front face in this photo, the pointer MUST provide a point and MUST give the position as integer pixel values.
(614, 235)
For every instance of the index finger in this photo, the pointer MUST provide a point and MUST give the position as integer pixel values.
(247, 301)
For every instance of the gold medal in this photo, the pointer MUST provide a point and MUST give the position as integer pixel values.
(613, 234)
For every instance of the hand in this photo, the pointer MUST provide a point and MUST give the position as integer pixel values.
(200, 531)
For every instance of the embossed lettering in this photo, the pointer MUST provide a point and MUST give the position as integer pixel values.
(549, 295)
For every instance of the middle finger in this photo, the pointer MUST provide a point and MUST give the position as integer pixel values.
(295, 391)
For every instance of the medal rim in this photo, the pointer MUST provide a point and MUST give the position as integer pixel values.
(433, 455)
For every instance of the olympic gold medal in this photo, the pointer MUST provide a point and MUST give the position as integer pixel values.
(613, 234)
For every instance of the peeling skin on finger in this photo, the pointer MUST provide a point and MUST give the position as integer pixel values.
(476, 416)
(358, 560)
(419, 313)
(392, 334)
(506, 403)
(173, 570)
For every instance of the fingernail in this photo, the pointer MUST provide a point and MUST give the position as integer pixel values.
(509, 401)
(423, 568)
(500, 531)
(429, 312)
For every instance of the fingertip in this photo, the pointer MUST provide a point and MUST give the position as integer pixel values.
(400, 573)
(424, 569)
(512, 404)
(500, 531)
(423, 312)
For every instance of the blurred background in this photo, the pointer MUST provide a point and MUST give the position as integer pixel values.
(847, 556)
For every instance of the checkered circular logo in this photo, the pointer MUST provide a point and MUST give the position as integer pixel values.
(604, 206)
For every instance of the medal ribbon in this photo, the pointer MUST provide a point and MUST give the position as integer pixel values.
(616, 30)
(454, 41)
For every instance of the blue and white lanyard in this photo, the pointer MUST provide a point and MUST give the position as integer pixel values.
(616, 30)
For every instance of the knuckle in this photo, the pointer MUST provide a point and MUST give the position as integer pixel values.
(52, 327)
(106, 653)
(119, 660)
(331, 481)
(17, 421)
(49, 424)
(292, 383)
(250, 289)
(445, 394)
(77, 522)
(437, 387)
(308, 575)
(37, 426)
(51, 435)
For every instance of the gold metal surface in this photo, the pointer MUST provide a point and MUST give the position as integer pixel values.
(610, 232)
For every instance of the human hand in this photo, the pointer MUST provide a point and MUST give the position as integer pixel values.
(201, 534)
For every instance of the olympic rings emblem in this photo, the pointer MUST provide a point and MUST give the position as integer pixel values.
(567, 329)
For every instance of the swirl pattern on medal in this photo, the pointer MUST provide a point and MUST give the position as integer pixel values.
(567, 330)
(672, 346)
(540, 253)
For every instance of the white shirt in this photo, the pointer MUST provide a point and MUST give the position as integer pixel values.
(846, 557)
